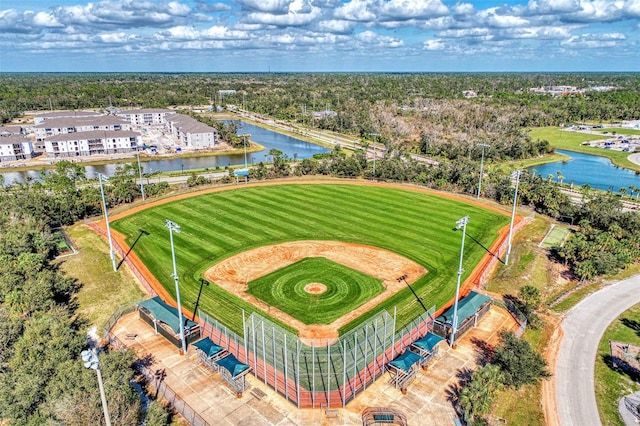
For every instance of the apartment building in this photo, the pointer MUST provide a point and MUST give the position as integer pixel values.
(14, 145)
(42, 117)
(146, 116)
(58, 126)
(191, 133)
(93, 142)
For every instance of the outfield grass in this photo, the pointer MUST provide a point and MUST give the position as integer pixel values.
(572, 141)
(215, 226)
(346, 290)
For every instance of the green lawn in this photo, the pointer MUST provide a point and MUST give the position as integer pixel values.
(556, 237)
(215, 226)
(346, 290)
(572, 141)
(612, 385)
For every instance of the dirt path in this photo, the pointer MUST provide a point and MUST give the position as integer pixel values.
(235, 272)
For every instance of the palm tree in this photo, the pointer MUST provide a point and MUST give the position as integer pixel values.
(550, 177)
(560, 177)
(623, 191)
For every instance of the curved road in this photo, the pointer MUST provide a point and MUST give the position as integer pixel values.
(583, 327)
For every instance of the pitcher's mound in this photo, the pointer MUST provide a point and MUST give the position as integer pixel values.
(315, 288)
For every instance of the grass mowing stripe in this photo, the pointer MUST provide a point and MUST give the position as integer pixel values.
(316, 212)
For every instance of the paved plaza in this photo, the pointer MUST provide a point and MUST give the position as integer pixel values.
(426, 402)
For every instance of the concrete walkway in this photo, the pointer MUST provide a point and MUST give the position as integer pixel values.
(427, 401)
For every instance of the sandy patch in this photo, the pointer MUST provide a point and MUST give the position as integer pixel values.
(233, 274)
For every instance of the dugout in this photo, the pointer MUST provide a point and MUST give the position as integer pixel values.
(470, 310)
(404, 369)
(427, 347)
(218, 359)
(165, 321)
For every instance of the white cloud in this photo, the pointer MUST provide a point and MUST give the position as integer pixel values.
(434, 44)
(356, 10)
(594, 41)
(289, 19)
(412, 9)
(269, 6)
(336, 26)
(371, 38)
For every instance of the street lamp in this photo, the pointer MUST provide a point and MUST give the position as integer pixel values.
(174, 227)
(483, 145)
(140, 173)
(462, 223)
(513, 215)
(375, 136)
(102, 177)
(90, 358)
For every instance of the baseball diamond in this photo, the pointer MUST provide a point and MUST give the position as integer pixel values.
(409, 226)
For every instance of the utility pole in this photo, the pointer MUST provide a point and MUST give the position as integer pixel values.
(483, 145)
(102, 177)
(513, 216)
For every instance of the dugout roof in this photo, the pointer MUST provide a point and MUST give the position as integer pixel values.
(467, 307)
(406, 360)
(165, 313)
(428, 342)
(232, 365)
(207, 347)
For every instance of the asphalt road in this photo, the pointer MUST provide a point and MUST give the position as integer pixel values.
(583, 328)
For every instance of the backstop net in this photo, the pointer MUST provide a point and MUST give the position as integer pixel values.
(318, 373)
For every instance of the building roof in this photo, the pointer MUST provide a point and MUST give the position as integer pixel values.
(466, 307)
(165, 313)
(13, 130)
(146, 111)
(103, 120)
(66, 113)
(190, 125)
(93, 134)
(10, 139)
(406, 360)
(207, 347)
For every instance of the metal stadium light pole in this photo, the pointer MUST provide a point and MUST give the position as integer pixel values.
(483, 145)
(140, 173)
(90, 358)
(462, 223)
(174, 227)
(102, 177)
(375, 136)
(513, 216)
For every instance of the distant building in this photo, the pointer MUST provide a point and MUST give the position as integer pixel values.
(14, 145)
(58, 126)
(191, 133)
(94, 142)
(42, 117)
(319, 115)
(146, 116)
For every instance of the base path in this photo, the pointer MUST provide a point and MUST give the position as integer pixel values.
(582, 328)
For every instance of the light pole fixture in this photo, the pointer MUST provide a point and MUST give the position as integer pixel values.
(483, 145)
(513, 215)
(244, 138)
(174, 227)
(462, 223)
(140, 173)
(102, 177)
(375, 136)
(90, 358)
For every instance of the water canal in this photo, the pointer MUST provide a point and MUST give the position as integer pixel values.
(597, 172)
(292, 147)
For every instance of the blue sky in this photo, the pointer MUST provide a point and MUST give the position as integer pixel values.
(319, 35)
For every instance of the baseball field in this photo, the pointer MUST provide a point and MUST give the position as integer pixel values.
(326, 254)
